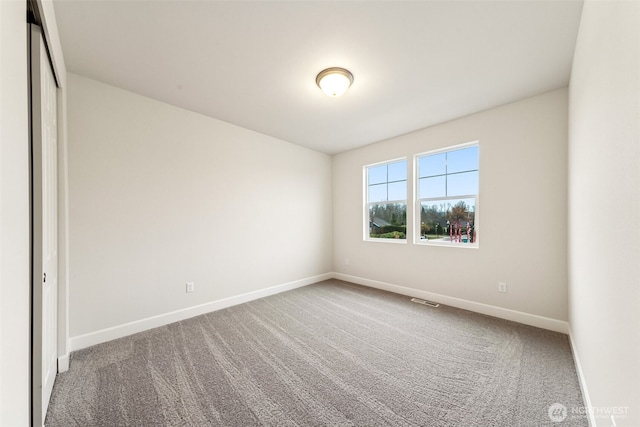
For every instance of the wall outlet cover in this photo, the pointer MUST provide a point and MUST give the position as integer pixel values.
(190, 287)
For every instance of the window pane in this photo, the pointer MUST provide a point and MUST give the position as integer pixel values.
(377, 174)
(378, 193)
(434, 164)
(388, 221)
(397, 191)
(462, 160)
(387, 182)
(397, 171)
(462, 184)
(432, 187)
(450, 220)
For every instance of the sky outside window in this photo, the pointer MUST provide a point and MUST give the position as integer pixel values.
(387, 182)
(454, 173)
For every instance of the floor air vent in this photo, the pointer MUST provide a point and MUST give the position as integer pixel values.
(425, 302)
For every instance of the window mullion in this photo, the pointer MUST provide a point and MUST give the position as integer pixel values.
(446, 174)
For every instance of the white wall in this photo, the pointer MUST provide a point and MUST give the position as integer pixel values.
(522, 208)
(159, 196)
(604, 206)
(14, 216)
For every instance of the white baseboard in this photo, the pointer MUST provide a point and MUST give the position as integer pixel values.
(491, 310)
(63, 363)
(108, 334)
(582, 380)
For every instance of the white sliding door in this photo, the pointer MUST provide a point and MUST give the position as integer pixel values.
(45, 226)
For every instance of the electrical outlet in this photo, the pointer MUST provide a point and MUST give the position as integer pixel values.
(347, 262)
(190, 287)
(502, 287)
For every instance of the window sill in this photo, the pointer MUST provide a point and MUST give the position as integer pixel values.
(423, 242)
(392, 241)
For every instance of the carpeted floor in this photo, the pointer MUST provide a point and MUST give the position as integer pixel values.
(329, 354)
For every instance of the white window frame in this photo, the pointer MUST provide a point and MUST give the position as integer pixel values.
(366, 203)
(417, 214)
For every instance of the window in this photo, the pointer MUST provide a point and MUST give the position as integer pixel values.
(386, 200)
(447, 196)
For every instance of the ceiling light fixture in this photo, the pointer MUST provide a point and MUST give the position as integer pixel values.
(334, 81)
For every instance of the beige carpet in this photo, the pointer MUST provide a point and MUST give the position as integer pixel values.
(329, 354)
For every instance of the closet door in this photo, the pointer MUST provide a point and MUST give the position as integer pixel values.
(45, 228)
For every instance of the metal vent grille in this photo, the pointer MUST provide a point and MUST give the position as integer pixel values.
(425, 302)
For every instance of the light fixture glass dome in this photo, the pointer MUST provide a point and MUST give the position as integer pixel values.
(334, 81)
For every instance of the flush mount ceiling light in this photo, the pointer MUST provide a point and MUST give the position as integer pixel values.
(334, 81)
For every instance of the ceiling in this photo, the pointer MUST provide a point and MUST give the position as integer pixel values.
(254, 63)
